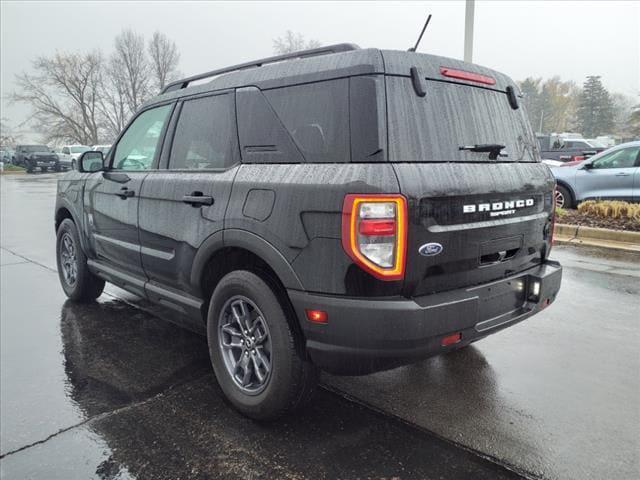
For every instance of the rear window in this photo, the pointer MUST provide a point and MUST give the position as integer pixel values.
(316, 115)
(433, 127)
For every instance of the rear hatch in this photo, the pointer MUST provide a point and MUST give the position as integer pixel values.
(472, 218)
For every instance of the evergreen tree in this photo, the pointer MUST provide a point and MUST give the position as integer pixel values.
(595, 109)
(530, 88)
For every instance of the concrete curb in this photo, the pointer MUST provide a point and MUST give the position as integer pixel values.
(597, 237)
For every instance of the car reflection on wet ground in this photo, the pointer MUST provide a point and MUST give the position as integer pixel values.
(109, 390)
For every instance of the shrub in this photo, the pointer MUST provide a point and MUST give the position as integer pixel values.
(611, 209)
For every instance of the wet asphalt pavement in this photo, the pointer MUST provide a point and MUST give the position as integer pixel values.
(111, 391)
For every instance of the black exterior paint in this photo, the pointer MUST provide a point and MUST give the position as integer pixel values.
(273, 204)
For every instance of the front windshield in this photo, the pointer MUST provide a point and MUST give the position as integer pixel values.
(79, 149)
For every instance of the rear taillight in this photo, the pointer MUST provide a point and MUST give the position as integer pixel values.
(577, 158)
(374, 233)
(464, 75)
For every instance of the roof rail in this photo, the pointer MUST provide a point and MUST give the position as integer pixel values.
(340, 47)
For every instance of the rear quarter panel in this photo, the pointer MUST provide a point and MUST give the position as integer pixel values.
(297, 208)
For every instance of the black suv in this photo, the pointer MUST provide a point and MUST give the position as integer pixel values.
(36, 156)
(338, 208)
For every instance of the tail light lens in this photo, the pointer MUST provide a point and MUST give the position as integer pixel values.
(577, 158)
(464, 75)
(374, 233)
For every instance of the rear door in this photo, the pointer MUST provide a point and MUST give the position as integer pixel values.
(184, 203)
(111, 197)
(611, 176)
(471, 219)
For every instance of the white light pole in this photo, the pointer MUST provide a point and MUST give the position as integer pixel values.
(468, 31)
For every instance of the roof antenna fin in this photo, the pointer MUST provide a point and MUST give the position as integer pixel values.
(413, 49)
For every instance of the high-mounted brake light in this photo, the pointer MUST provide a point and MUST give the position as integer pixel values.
(374, 233)
(469, 76)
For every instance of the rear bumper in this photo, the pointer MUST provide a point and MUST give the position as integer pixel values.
(368, 335)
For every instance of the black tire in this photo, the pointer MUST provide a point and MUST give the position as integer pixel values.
(85, 287)
(44, 169)
(563, 197)
(73, 164)
(58, 168)
(292, 378)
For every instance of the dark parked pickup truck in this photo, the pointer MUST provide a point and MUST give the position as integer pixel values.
(36, 156)
(569, 149)
(339, 208)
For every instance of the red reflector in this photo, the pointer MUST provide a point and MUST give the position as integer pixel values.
(469, 76)
(451, 339)
(317, 316)
(577, 158)
(377, 227)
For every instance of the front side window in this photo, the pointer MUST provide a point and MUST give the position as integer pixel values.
(205, 136)
(625, 158)
(137, 148)
(317, 118)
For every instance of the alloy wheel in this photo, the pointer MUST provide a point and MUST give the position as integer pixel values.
(245, 344)
(68, 259)
(560, 200)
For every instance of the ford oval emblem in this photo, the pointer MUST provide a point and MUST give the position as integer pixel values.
(430, 249)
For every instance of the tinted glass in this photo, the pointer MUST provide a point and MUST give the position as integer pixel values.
(625, 158)
(433, 127)
(205, 135)
(317, 118)
(137, 147)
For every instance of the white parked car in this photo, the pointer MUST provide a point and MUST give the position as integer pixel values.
(71, 153)
(101, 148)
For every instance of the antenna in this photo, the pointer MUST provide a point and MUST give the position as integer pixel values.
(421, 33)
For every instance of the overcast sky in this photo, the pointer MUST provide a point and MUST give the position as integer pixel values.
(539, 38)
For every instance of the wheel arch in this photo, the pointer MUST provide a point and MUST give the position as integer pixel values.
(230, 250)
(234, 240)
(64, 211)
(569, 188)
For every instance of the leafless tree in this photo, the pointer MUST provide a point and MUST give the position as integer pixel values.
(114, 106)
(164, 59)
(293, 42)
(63, 93)
(130, 64)
(8, 138)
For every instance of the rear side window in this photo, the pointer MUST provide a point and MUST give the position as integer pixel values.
(449, 116)
(316, 115)
(205, 136)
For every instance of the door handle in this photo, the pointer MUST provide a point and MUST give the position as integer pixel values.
(125, 193)
(197, 199)
(623, 174)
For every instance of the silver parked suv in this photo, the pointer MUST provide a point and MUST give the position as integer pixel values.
(613, 175)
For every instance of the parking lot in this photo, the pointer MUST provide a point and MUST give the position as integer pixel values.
(113, 390)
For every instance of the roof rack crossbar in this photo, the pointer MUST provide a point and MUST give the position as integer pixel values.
(184, 83)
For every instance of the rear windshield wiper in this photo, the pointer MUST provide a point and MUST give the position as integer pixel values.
(493, 149)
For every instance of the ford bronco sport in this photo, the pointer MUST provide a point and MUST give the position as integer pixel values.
(340, 208)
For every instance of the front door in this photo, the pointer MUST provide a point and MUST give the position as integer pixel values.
(610, 176)
(184, 204)
(112, 196)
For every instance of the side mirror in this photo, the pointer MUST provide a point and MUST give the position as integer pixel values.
(588, 166)
(91, 162)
